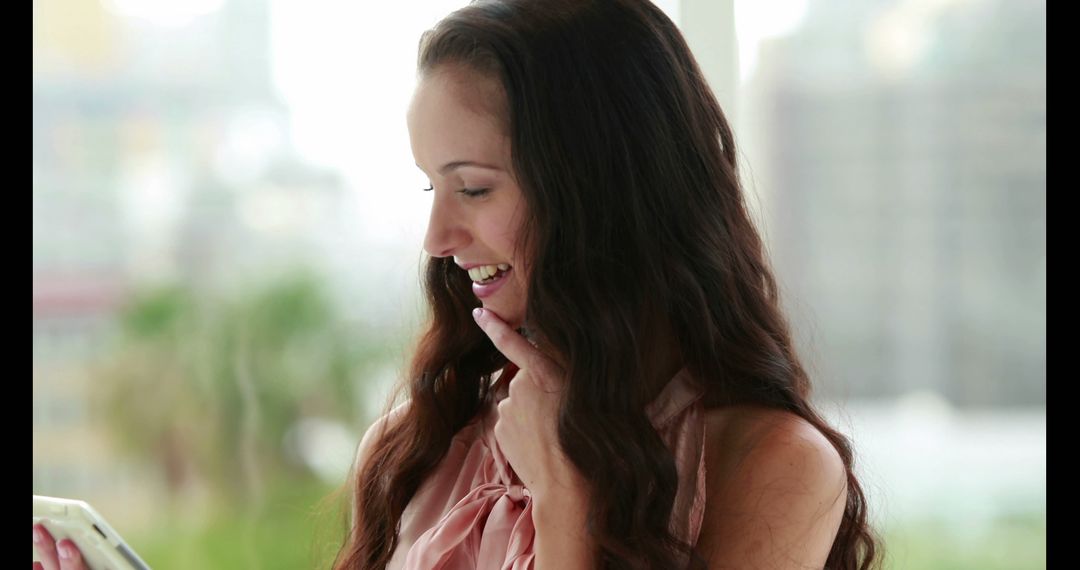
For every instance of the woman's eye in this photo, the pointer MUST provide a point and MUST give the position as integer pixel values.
(473, 193)
(470, 192)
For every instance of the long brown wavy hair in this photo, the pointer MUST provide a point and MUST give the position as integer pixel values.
(638, 236)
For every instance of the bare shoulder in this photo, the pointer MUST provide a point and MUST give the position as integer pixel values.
(737, 433)
(775, 491)
(375, 432)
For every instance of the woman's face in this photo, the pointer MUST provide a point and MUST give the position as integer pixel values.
(477, 207)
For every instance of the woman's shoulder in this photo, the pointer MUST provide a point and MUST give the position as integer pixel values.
(733, 433)
(775, 487)
(375, 432)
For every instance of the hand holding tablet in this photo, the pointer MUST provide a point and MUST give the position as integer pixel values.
(74, 527)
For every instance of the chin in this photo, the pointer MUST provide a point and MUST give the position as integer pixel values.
(513, 319)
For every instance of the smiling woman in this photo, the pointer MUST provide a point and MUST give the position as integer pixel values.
(478, 207)
(606, 378)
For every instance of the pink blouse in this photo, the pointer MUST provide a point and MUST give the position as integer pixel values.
(473, 512)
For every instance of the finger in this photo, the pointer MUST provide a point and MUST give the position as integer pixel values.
(38, 566)
(511, 344)
(70, 557)
(46, 548)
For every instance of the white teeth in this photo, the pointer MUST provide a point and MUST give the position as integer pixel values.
(482, 272)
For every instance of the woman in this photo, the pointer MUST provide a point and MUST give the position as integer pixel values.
(628, 394)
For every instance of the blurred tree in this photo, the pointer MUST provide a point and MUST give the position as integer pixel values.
(207, 386)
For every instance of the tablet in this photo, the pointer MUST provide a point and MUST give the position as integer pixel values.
(101, 546)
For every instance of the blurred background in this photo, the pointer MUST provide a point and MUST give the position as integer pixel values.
(228, 226)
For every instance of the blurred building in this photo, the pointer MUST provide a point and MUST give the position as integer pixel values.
(73, 454)
(161, 154)
(905, 152)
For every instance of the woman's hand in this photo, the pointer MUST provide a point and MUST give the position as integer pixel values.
(62, 556)
(527, 432)
(527, 429)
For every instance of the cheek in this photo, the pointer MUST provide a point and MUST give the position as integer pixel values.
(521, 280)
(509, 229)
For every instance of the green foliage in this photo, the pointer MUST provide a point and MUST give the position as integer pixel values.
(291, 530)
(1008, 543)
(157, 313)
(207, 385)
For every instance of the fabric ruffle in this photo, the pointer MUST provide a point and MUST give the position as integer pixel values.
(473, 512)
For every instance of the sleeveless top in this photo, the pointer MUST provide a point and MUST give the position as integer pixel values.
(473, 512)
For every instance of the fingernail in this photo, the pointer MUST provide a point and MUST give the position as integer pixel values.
(477, 312)
(37, 535)
(65, 552)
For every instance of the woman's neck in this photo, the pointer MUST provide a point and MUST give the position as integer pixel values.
(667, 360)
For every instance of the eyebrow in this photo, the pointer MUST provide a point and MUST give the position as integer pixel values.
(459, 163)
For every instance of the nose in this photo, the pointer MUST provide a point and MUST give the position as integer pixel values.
(446, 233)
